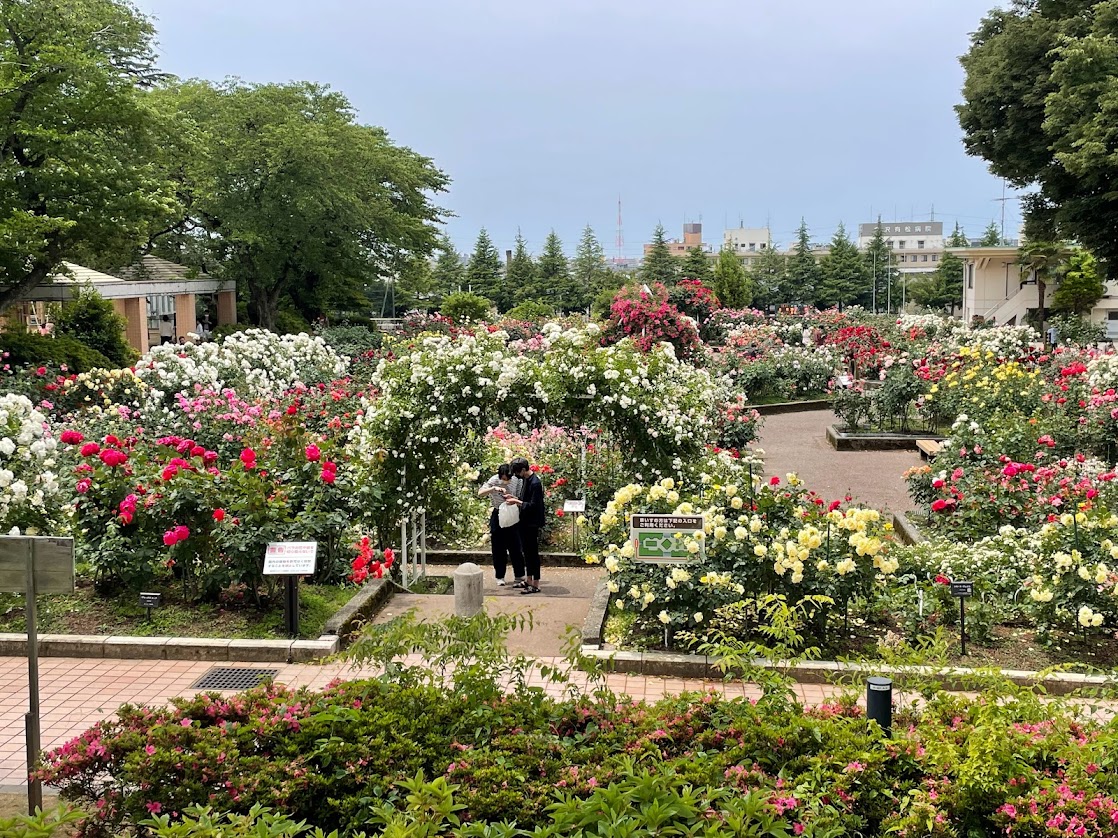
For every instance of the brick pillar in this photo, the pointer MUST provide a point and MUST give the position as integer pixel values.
(186, 316)
(135, 312)
(226, 308)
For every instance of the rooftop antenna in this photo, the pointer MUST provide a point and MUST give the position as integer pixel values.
(1003, 199)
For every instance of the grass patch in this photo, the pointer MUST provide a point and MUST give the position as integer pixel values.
(86, 612)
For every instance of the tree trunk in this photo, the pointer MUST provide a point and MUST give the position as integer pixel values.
(1041, 286)
(263, 306)
(32, 279)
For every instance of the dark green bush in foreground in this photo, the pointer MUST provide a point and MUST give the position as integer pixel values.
(406, 755)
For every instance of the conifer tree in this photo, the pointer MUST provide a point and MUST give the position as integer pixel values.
(589, 271)
(992, 237)
(696, 266)
(484, 274)
(731, 283)
(520, 275)
(659, 265)
(804, 274)
(449, 274)
(878, 257)
(844, 276)
(768, 277)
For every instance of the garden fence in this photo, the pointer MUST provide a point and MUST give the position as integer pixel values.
(413, 547)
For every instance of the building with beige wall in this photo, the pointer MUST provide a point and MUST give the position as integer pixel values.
(917, 245)
(692, 237)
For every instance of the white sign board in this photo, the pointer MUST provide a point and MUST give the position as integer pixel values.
(662, 539)
(574, 506)
(290, 558)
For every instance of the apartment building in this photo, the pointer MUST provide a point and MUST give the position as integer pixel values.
(917, 245)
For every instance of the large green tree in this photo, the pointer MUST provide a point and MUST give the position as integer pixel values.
(696, 265)
(1042, 258)
(1039, 98)
(768, 278)
(589, 270)
(804, 274)
(553, 275)
(659, 265)
(485, 276)
(878, 258)
(731, 282)
(942, 289)
(1080, 288)
(520, 275)
(992, 236)
(449, 274)
(843, 272)
(81, 175)
(303, 204)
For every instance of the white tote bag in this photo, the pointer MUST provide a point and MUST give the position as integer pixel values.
(508, 515)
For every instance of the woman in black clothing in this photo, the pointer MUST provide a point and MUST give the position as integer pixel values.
(505, 541)
(532, 519)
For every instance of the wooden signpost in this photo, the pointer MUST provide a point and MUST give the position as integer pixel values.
(32, 565)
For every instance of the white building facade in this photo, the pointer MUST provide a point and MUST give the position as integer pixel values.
(917, 245)
(747, 242)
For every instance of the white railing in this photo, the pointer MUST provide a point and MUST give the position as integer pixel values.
(413, 547)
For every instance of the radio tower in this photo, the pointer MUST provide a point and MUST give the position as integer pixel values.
(620, 257)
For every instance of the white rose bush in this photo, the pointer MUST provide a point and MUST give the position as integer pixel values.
(29, 482)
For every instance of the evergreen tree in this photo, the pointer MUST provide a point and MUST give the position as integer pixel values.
(589, 270)
(731, 283)
(696, 266)
(484, 275)
(804, 275)
(768, 277)
(957, 238)
(553, 275)
(449, 274)
(883, 274)
(844, 276)
(942, 289)
(520, 275)
(659, 265)
(992, 237)
(1081, 286)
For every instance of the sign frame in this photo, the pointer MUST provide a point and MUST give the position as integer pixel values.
(290, 558)
(643, 525)
(962, 589)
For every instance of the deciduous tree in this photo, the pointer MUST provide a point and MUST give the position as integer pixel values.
(1081, 286)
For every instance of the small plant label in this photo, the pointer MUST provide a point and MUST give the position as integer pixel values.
(962, 589)
(150, 600)
(574, 506)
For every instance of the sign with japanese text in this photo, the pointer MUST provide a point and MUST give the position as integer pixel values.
(665, 539)
(290, 558)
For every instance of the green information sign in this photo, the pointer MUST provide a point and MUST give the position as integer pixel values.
(663, 539)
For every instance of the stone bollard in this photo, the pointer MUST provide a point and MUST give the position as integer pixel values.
(468, 583)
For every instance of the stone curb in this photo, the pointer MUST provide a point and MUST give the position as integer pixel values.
(483, 558)
(171, 648)
(372, 597)
(954, 679)
(594, 624)
(791, 407)
(842, 441)
(909, 533)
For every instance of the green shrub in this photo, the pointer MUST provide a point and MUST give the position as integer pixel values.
(92, 320)
(530, 310)
(27, 349)
(464, 307)
(351, 340)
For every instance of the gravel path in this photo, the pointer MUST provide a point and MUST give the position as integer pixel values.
(797, 442)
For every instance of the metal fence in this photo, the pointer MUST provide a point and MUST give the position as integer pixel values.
(413, 547)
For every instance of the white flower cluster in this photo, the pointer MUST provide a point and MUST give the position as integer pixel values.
(1004, 341)
(28, 478)
(256, 363)
(1102, 372)
(930, 324)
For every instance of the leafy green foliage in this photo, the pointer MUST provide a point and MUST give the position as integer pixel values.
(659, 265)
(464, 307)
(24, 348)
(696, 265)
(448, 274)
(53, 823)
(769, 278)
(91, 319)
(520, 275)
(81, 146)
(589, 270)
(1081, 286)
(883, 275)
(530, 310)
(731, 283)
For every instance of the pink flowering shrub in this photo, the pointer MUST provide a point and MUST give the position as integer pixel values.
(648, 319)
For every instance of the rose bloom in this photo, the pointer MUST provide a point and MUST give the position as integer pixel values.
(219, 515)
(89, 449)
(313, 453)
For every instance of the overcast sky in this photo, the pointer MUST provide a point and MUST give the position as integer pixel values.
(545, 113)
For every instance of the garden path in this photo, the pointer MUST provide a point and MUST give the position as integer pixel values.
(797, 442)
(563, 601)
(77, 693)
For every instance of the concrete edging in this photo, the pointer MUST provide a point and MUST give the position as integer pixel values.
(842, 441)
(674, 665)
(594, 624)
(372, 597)
(171, 648)
(909, 533)
(791, 407)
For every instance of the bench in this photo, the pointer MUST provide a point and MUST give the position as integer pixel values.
(929, 448)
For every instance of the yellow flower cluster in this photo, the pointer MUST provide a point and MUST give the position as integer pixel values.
(981, 376)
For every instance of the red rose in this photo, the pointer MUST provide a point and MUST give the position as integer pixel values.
(248, 457)
(71, 437)
(219, 515)
(111, 457)
(90, 448)
(313, 453)
(181, 533)
(169, 472)
(774, 481)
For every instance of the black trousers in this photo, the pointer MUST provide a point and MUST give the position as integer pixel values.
(505, 542)
(530, 544)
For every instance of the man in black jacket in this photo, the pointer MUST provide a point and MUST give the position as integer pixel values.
(531, 520)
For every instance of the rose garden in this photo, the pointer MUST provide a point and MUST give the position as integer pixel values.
(174, 475)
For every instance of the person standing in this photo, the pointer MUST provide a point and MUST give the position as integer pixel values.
(166, 329)
(530, 501)
(504, 541)
(1053, 336)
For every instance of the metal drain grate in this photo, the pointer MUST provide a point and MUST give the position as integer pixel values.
(232, 678)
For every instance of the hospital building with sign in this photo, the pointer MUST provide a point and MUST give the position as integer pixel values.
(917, 245)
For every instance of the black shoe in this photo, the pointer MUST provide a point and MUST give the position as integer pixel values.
(530, 589)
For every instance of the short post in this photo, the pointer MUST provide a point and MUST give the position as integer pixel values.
(468, 586)
(962, 590)
(879, 703)
(291, 605)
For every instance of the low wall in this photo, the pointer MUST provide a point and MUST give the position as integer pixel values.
(791, 407)
(843, 441)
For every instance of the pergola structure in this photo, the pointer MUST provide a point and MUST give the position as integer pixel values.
(152, 287)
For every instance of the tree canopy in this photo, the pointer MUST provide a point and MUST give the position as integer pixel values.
(731, 283)
(81, 145)
(484, 273)
(804, 274)
(1080, 288)
(696, 265)
(844, 277)
(659, 265)
(1039, 99)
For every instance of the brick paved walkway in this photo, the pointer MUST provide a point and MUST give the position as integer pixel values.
(76, 693)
